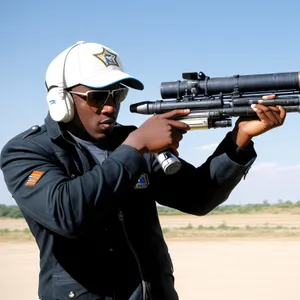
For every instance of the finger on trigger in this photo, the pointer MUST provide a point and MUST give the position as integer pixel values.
(175, 113)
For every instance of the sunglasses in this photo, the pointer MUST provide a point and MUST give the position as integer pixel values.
(97, 99)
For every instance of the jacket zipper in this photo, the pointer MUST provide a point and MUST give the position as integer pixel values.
(144, 289)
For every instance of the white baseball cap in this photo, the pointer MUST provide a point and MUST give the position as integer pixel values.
(89, 64)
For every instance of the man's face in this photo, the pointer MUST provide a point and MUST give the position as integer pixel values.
(96, 110)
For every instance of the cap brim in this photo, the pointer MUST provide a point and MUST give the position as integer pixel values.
(113, 77)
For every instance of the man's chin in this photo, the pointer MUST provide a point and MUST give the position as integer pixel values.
(100, 136)
(103, 134)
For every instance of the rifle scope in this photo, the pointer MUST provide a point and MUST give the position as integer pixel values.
(199, 84)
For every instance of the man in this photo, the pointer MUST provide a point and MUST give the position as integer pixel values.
(87, 185)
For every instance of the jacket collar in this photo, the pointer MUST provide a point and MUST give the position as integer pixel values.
(54, 128)
(58, 134)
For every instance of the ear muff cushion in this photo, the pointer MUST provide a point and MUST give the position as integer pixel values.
(60, 105)
(70, 106)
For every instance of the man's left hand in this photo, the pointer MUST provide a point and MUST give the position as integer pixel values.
(269, 117)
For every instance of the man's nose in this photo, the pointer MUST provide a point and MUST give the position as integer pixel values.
(109, 107)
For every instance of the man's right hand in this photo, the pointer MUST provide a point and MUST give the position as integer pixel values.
(158, 133)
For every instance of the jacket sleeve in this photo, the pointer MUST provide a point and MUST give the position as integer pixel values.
(199, 190)
(62, 204)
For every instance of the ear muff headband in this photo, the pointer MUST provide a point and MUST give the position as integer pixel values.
(60, 102)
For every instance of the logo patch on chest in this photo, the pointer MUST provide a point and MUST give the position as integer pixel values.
(143, 182)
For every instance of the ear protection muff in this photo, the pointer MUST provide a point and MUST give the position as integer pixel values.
(60, 102)
(61, 106)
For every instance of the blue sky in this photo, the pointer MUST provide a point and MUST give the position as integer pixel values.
(157, 41)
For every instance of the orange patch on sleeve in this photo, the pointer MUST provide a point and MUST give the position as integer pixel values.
(33, 178)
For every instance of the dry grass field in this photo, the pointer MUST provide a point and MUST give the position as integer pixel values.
(228, 257)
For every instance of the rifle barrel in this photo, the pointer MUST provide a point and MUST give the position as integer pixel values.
(158, 107)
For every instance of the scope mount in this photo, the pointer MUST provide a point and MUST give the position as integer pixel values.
(194, 76)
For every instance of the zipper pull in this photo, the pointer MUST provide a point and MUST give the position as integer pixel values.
(121, 216)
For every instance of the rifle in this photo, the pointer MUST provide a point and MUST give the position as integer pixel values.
(214, 101)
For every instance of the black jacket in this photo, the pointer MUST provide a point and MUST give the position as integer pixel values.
(97, 226)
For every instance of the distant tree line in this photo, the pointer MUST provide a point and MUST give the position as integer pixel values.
(13, 211)
(265, 207)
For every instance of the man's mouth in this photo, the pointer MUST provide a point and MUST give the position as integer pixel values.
(108, 121)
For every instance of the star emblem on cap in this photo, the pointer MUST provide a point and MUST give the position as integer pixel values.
(108, 58)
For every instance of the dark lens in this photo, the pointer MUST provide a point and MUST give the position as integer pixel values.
(120, 95)
(96, 99)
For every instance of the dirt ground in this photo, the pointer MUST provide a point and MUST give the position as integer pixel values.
(227, 269)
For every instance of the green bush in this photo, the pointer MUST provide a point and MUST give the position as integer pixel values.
(12, 211)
